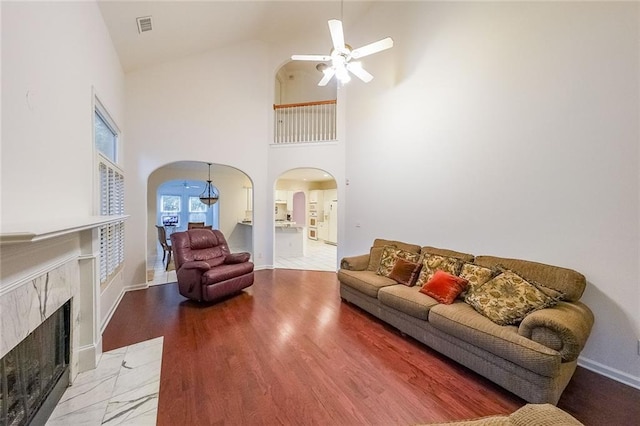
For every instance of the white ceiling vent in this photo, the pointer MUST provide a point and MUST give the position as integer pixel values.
(144, 24)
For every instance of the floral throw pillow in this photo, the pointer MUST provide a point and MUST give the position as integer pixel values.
(476, 275)
(389, 256)
(434, 262)
(508, 298)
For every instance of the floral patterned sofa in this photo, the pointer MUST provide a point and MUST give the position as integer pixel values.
(516, 322)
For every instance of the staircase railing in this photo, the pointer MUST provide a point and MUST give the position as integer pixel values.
(305, 122)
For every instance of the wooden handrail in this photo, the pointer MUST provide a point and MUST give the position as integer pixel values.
(302, 104)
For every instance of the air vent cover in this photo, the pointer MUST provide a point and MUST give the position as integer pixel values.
(145, 24)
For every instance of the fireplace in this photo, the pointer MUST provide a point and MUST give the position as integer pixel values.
(35, 373)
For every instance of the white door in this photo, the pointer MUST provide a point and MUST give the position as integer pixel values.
(333, 223)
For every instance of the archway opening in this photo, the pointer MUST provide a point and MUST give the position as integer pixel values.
(173, 202)
(306, 228)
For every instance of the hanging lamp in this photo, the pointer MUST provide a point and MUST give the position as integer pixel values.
(210, 195)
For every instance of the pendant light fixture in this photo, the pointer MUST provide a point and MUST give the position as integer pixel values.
(210, 195)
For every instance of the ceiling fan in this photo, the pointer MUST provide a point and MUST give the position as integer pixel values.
(342, 54)
(186, 185)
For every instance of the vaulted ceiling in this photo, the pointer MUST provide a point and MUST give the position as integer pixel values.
(184, 28)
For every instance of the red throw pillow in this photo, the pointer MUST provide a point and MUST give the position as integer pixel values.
(444, 287)
(405, 272)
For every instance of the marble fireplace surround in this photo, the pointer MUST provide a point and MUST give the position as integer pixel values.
(42, 266)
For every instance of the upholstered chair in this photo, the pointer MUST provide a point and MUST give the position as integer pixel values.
(206, 269)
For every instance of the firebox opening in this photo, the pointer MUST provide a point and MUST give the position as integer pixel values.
(35, 373)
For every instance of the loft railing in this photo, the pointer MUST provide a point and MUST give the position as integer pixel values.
(305, 122)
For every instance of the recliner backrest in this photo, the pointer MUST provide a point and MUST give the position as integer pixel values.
(199, 244)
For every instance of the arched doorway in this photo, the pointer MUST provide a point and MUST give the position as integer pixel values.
(181, 183)
(305, 233)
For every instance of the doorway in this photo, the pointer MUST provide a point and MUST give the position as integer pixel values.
(306, 228)
(173, 201)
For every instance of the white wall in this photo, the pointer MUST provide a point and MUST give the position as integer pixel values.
(301, 85)
(53, 56)
(509, 129)
(200, 108)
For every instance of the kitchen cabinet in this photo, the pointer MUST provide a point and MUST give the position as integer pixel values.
(281, 196)
(313, 195)
(330, 195)
(290, 200)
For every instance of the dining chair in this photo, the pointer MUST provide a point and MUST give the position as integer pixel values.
(166, 245)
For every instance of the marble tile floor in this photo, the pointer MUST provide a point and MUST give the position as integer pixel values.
(319, 257)
(122, 390)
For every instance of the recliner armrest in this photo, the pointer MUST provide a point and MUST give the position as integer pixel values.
(565, 326)
(237, 258)
(355, 263)
(196, 264)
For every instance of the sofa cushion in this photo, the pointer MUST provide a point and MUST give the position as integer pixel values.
(435, 262)
(567, 281)
(405, 272)
(466, 257)
(367, 282)
(389, 256)
(508, 298)
(226, 272)
(408, 300)
(462, 321)
(444, 287)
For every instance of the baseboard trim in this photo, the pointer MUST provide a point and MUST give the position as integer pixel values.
(612, 373)
(87, 358)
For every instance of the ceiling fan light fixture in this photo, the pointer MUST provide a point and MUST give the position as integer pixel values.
(341, 56)
(342, 74)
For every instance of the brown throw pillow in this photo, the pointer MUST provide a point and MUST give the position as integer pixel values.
(405, 272)
(444, 287)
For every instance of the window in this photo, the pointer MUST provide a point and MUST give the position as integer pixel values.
(106, 139)
(170, 204)
(196, 206)
(111, 191)
(197, 210)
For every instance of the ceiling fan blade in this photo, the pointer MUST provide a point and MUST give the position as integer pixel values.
(328, 75)
(337, 35)
(358, 71)
(372, 48)
(318, 58)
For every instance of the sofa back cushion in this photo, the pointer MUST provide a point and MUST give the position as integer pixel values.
(375, 254)
(567, 281)
(447, 253)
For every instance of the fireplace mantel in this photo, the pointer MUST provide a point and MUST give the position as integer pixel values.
(14, 233)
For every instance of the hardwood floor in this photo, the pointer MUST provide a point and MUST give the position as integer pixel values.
(288, 351)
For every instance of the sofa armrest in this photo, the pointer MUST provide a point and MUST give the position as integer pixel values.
(237, 258)
(355, 263)
(564, 327)
(196, 264)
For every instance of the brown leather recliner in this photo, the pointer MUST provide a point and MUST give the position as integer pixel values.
(206, 270)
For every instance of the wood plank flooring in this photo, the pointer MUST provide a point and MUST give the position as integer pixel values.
(288, 351)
